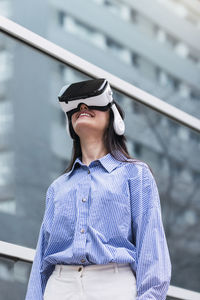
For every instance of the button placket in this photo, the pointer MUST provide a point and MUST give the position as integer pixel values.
(83, 199)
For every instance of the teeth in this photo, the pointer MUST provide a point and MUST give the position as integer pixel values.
(84, 114)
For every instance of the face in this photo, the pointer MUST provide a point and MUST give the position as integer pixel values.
(90, 121)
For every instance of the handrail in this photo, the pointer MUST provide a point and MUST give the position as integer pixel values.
(16, 252)
(36, 41)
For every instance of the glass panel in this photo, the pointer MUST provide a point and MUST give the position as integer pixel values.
(132, 60)
(13, 279)
(35, 150)
(172, 151)
(34, 146)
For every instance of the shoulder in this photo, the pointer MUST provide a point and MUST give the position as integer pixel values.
(142, 186)
(57, 182)
(136, 168)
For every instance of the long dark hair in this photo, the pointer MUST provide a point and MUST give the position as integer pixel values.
(115, 144)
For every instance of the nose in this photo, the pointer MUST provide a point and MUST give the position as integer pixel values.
(83, 106)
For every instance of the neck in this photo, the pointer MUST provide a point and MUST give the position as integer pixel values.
(92, 148)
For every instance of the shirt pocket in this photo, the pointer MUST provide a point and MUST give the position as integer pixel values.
(110, 213)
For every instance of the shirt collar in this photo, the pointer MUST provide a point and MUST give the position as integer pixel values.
(108, 161)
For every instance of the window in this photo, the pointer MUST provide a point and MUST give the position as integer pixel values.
(5, 65)
(81, 30)
(137, 148)
(5, 8)
(61, 18)
(118, 50)
(181, 49)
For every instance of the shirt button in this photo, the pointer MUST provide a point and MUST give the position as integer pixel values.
(84, 200)
(82, 260)
(88, 171)
(82, 230)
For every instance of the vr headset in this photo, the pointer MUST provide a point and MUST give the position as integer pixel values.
(96, 94)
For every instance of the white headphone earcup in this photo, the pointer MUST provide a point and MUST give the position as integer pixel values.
(118, 123)
(119, 127)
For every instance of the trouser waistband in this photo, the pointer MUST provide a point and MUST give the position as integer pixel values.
(78, 268)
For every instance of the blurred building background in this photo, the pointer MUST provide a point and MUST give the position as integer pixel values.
(153, 45)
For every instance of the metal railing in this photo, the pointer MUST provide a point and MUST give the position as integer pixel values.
(41, 44)
(46, 47)
(16, 252)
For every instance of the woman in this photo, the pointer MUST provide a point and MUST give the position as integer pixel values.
(102, 235)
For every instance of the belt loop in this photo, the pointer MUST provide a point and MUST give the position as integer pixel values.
(116, 268)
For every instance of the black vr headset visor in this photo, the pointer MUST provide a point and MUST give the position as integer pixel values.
(95, 93)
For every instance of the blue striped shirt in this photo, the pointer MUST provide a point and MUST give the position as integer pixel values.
(106, 212)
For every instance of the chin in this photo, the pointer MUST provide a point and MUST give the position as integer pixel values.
(88, 131)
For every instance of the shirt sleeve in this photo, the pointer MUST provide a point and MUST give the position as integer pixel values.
(38, 279)
(153, 266)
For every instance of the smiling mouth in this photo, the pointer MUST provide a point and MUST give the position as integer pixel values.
(84, 115)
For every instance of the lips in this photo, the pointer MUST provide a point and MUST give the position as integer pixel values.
(85, 112)
(84, 115)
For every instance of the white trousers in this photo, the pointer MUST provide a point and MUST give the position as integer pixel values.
(94, 282)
